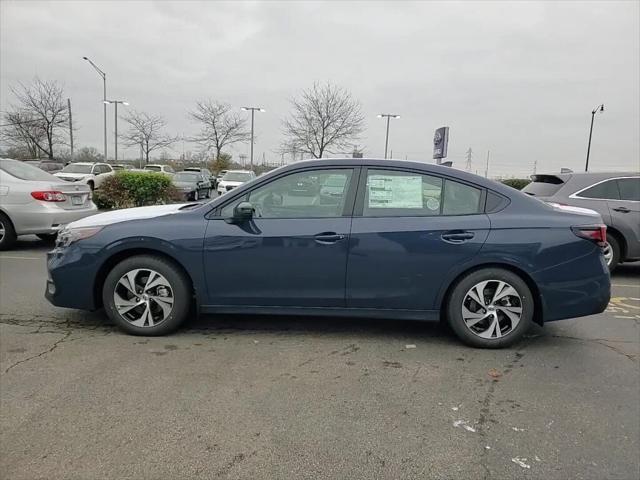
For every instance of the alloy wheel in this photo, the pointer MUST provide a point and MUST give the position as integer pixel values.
(492, 309)
(607, 251)
(2, 231)
(143, 297)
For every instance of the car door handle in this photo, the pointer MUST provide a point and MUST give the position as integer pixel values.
(328, 237)
(457, 237)
(622, 209)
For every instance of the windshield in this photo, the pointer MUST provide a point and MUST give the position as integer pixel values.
(543, 186)
(237, 176)
(186, 177)
(23, 171)
(153, 168)
(75, 168)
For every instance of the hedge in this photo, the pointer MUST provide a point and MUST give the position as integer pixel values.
(135, 189)
(517, 183)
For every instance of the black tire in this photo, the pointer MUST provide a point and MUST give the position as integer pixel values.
(459, 293)
(47, 237)
(179, 284)
(8, 233)
(615, 252)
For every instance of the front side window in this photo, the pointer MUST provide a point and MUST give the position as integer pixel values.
(605, 191)
(309, 194)
(629, 189)
(408, 194)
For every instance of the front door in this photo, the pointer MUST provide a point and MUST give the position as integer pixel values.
(293, 252)
(408, 231)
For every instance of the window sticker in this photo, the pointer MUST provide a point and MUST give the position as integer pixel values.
(392, 191)
(433, 204)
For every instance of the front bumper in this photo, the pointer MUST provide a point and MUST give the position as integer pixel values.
(71, 275)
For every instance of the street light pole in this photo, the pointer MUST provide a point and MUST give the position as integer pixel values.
(388, 116)
(104, 99)
(599, 108)
(253, 111)
(115, 145)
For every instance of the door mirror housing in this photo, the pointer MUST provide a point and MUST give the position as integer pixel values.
(242, 212)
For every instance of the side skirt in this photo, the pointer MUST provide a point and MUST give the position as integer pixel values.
(424, 315)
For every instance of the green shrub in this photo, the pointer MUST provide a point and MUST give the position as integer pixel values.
(135, 189)
(517, 183)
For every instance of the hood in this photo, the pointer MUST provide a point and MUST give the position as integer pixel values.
(71, 175)
(126, 214)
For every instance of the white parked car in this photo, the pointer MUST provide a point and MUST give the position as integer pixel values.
(233, 179)
(166, 169)
(35, 202)
(92, 174)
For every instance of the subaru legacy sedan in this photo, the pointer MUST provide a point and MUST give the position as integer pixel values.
(399, 240)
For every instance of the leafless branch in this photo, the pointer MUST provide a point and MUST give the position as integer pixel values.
(146, 131)
(219, 125)
(324, 119)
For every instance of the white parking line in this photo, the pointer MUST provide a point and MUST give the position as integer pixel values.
(11, 257)
(626, 286)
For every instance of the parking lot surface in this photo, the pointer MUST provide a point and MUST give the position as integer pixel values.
(273, 397)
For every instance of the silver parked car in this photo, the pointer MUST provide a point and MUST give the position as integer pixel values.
(615, 196)
(35, 202)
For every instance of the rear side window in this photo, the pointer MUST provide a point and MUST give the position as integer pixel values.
(460, 199)
(606, 191)
(629, 189)
(406, 194)
(543, 185)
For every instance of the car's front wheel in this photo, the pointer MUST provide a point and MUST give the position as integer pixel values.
(490, 308)
(147, 295)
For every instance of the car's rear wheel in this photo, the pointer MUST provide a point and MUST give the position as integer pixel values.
(611, 252)
(147, 295)
(490, 308)
(7, 233)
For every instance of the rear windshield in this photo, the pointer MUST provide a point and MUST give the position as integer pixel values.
(75, 168)
(543, 185)
(237, 176)
(153, 168)
(24, 171)
(186, 176)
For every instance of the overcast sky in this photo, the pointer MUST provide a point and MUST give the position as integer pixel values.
(519, 79)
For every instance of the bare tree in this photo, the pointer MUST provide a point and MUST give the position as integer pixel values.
(146, 131)
(219, 126)
(324, 119)
(34, 122)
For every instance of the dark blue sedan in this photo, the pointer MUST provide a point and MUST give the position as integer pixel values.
(372, 238)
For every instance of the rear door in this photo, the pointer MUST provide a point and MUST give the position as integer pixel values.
(409, 229)
(625, 213)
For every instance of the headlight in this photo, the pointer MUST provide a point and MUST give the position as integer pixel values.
(67, 236)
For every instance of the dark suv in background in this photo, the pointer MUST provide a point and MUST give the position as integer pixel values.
(615, 196)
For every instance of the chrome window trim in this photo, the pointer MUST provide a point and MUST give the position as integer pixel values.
(577, 194)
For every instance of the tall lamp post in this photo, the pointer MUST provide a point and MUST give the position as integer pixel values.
(104, 98)
(115, 137)
(253, 111)
(388, 116)
(599, 108)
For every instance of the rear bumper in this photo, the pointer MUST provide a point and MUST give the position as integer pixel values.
(567, 294)
(42, 218)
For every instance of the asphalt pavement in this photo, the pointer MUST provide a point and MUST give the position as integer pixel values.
(242, 397)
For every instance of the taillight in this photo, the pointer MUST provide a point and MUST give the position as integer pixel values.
(49, 196)
(595, 233)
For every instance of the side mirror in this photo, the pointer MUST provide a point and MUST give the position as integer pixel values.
(243, 212)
